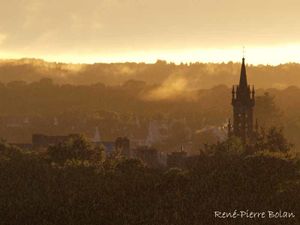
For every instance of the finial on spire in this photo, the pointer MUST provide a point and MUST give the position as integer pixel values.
(244, 52)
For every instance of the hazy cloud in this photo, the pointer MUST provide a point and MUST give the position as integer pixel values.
(113, 26)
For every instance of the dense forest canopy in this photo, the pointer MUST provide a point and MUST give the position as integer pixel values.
(71, 183)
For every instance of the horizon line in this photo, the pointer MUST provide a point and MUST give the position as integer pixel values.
(142, 62)
(255, 55)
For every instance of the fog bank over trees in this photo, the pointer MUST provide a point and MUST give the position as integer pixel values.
(193, 76)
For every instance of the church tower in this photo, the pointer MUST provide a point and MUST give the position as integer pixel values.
(243, 101)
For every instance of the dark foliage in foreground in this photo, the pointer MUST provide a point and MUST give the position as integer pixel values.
(37, 189)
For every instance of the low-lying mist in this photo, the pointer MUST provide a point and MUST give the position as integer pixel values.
(172, 78)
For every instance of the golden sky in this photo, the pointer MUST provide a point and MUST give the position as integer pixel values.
(145, 30)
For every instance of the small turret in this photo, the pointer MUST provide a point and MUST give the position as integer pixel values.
(229, 128)
(253, 93)
(233, 93)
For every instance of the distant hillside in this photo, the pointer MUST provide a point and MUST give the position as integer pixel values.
(193, 76)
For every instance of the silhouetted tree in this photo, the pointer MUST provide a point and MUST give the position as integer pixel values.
(273, 140)
(266, 110)
(76, 148)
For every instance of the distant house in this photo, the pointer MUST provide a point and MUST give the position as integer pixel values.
(109, 146)
(177, 159)
(122, 145)
(40, 141)
(149, 155)
(44, 141)
(25, 146)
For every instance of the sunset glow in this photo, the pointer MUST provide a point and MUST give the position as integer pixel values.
(255, 55)
(143, 31)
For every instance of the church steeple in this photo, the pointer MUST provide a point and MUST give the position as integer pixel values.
(243, 101)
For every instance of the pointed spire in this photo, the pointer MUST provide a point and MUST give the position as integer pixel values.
(253, 92)
(243, 77)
